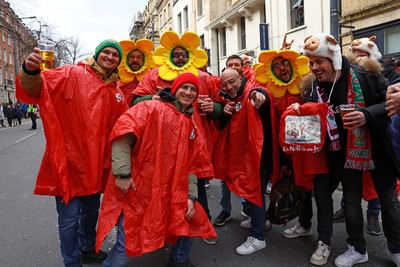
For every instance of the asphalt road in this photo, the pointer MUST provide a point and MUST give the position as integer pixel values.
(29, 235)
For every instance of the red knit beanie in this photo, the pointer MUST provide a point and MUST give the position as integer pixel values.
(186, 77)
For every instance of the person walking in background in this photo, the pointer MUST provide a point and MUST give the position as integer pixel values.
(32, 110)
(8, 113)
(77, 159)
(17, 112)
(2, 116)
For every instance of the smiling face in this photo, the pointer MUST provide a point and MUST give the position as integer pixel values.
(108, 58)
(186, 94)
(230, 82)
(322, 68)
(282, 68)
(179, 56)
(135, 60)
(236, 64)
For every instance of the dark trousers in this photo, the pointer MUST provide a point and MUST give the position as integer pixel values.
(33, 119)
(324, 186)
(202, 195)
(385, 185)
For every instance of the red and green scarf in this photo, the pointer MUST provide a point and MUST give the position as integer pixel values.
(359, 154)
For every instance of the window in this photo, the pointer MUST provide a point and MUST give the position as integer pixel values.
(1, 75)
(186, 17)
(10, 58)
(296, 13)
(392, 39)
(388, 37)
(3, 35)
(223, 42)
(242, 38)
(5, 56)
(179, 18)
(199, 8)
(202, 41)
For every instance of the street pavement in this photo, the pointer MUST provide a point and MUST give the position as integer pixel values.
(29, 235)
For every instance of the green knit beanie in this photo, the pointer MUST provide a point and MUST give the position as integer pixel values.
(107, 43)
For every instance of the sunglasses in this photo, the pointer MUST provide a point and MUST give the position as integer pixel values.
(178, 54)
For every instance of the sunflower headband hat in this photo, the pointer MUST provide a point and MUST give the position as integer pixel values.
(145, 46)
(162, 56)
(264, 72)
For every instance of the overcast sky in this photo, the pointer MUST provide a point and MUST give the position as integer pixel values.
(91, 21)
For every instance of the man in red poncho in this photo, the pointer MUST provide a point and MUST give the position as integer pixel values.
(150, 88)
(79, 105)
(246, 154)
(153, 194)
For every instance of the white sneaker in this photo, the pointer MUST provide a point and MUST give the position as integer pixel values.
(321, 254)
(250, 246)
(247, 225)
(350, 257)
(395, 257)
(297, 231)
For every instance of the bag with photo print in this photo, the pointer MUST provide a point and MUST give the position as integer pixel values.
(286, 201)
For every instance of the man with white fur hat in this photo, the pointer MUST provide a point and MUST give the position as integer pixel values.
(356, 142)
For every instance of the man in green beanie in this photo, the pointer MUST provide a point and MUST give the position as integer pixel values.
(79, 106)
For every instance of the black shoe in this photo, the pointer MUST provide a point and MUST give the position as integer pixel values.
(338, 216)
(373, 227)
(222, 218)
(91, 256)
(172, 263)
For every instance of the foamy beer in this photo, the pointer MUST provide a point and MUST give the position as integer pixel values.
(347, 108)
(47, 52)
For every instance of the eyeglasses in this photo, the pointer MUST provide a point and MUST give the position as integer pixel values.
(231, 81)
(178, 54)
(284, 63)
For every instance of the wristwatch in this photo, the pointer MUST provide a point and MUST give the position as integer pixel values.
(124, 176)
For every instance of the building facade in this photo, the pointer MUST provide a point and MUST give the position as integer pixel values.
(230, 27)
(364, 18)
(16, 42)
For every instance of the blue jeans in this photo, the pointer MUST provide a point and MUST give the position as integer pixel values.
(225, 201)
(258, 215)
(118, 258)
(77, 227)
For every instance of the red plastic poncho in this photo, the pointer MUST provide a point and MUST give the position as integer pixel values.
(237, 152)
(127, 89)
(78, 111)
(306, 165)
(161, 162)
(152, 83)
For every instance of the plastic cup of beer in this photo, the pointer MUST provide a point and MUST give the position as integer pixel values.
(202, 98)
(347, 108)
(47, 52)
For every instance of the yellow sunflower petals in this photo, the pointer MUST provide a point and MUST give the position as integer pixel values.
(169, 39)
(167, 73)
(159, 55)
(200, 58)
(190, 39)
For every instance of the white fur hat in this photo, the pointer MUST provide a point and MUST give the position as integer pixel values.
(367, 45)
(324, 45)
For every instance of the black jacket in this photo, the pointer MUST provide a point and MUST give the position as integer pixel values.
(374, 91)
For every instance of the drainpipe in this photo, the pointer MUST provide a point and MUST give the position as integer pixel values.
(335, 11)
